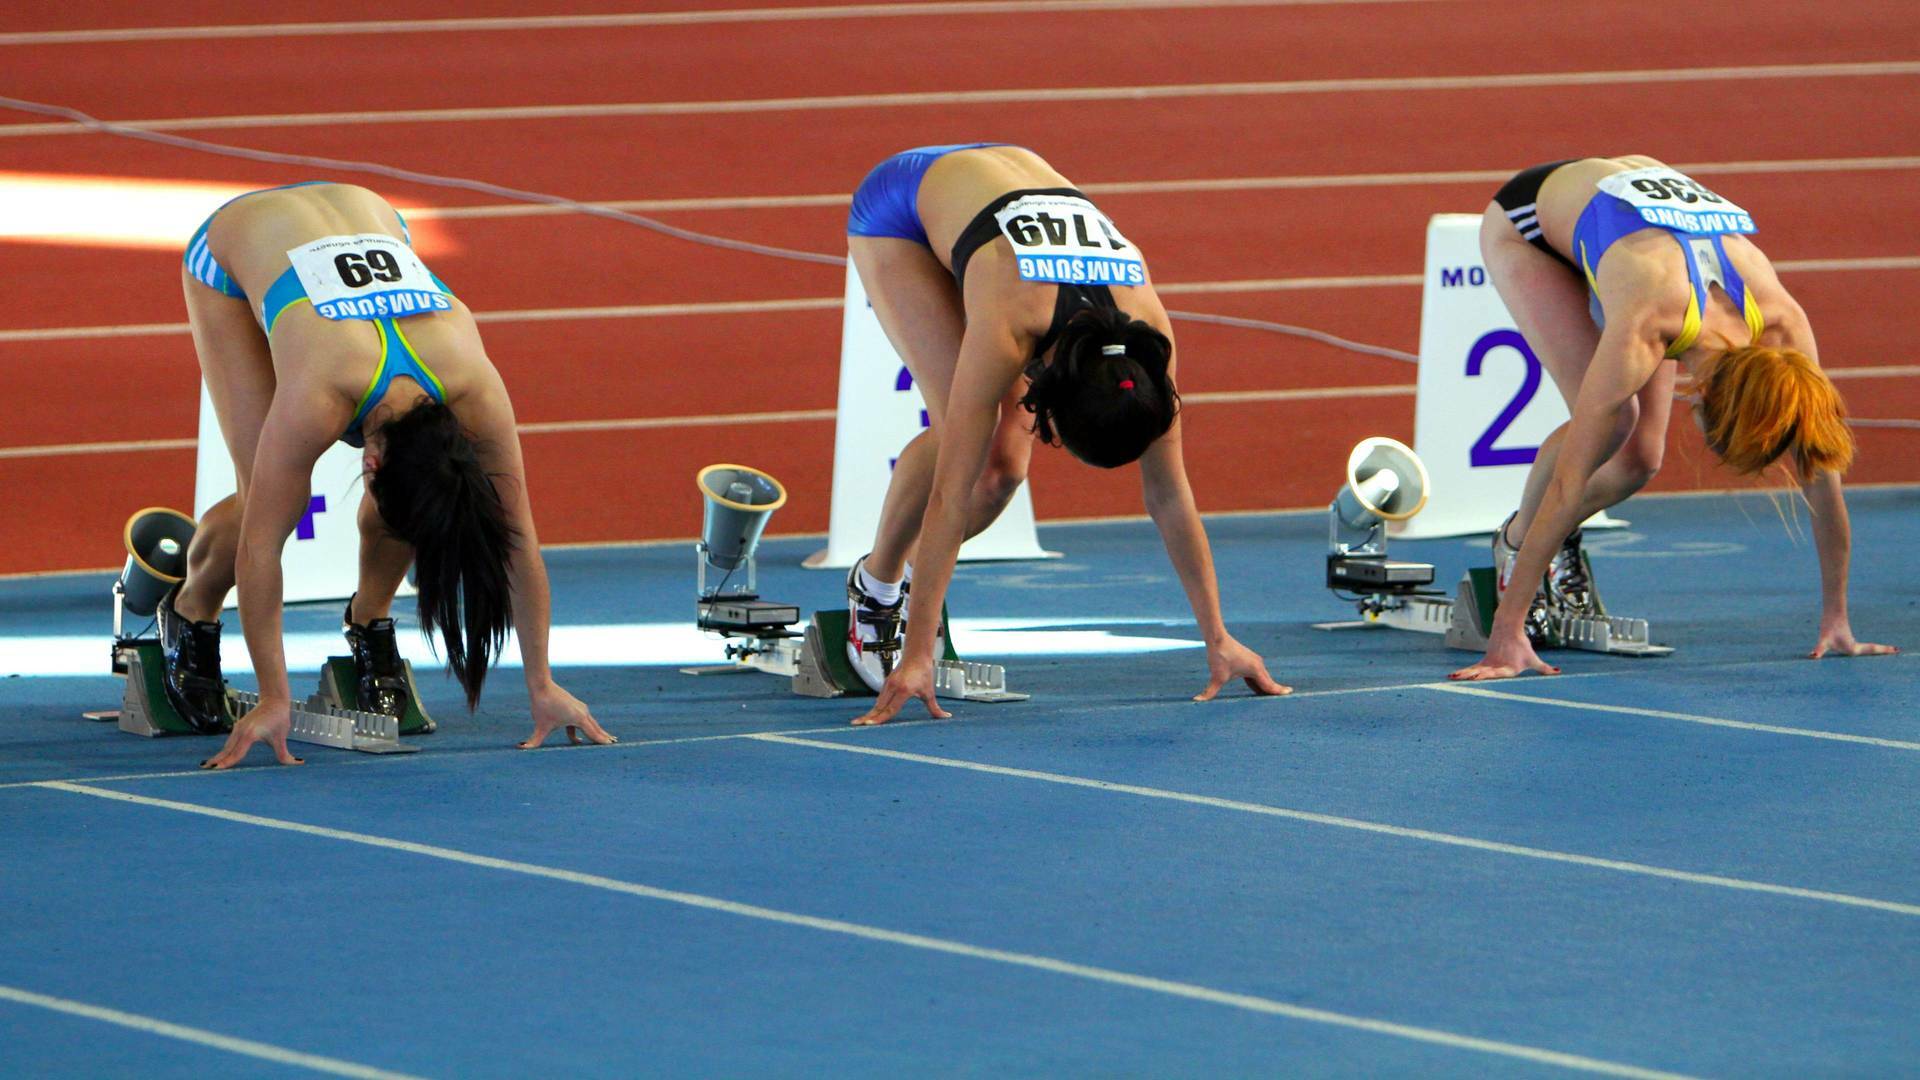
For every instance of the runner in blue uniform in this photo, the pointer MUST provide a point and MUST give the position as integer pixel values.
(315, 322)
(1020, 310)
(1622, 273)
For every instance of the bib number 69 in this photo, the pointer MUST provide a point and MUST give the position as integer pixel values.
(360, 269)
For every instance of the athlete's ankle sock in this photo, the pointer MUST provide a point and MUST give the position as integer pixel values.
(882, 591)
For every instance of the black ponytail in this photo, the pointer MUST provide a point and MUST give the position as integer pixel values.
(435, 494)
(1104, 392)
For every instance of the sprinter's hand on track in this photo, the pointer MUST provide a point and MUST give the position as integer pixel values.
(1506, 657)
(1231, 660)
(913, 679)
(268, 722)
(1836, 638)
(553, 709)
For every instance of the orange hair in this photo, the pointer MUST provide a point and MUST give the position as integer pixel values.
(1758, 402)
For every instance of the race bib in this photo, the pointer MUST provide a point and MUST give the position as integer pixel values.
(1063, 239)
(369, 276)
(1673, 200)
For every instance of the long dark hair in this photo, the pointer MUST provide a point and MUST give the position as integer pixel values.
(435, 494)
(1105, 393)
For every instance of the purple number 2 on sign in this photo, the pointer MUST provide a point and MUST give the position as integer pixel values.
(1483, 452)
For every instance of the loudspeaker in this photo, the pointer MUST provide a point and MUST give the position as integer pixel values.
(157, 540)
(738, 502)
(1385, 482)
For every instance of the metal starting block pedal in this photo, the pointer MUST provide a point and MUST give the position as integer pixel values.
(1472, 620)
(825, 671)
(340, 689)
(145, 711)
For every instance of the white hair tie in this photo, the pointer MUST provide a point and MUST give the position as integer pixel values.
(1113, 350)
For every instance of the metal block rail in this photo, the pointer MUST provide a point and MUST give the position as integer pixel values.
(825, 671)
(323, 724)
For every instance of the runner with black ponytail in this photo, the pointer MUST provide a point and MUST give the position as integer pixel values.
(434, 492)
(315, 321)
(1022, 313)
(1104, 393)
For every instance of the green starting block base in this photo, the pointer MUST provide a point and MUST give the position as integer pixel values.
(145, 711)
(144, 708)
(826, 672)
(340, 689)
(1472, 621)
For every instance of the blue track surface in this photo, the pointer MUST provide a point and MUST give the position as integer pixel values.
(1512, 868)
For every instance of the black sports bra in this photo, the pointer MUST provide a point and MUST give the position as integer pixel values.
(1072, 299)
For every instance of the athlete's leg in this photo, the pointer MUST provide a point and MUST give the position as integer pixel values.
(384, 559)
(238, 368)
(1549, 306)
(920, 310)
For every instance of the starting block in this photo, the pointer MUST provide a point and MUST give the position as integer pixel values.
(145, 711)
(1472, 620)
(825, 672)
(340, 689)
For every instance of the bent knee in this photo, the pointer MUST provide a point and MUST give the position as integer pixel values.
(1001, 478)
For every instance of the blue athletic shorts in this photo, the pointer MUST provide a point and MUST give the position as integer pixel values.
(884, 203)
(208, 271)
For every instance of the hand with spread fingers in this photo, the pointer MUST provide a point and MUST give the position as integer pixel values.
(269, 722)
(1836, 639)
(553, 709)
(1508, 656)
(913, 679)
(1231, 660)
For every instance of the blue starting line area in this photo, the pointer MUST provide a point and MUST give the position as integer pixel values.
(1704, 864)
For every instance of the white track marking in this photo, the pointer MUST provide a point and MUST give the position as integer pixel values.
(1660, 714)
(834, 303)
(1154, 187)
(525, 23)
(1013, 96)
(134, 446)
(1031, 961)
(798, 416)
(1427, 835)
(788, 416)
(260, 1051)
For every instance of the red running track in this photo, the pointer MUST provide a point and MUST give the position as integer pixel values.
(1216, 251)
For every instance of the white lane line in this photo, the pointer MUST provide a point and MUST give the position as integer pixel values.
(1024, 95)
(1146, 187)
(1154, 187)
(1032, 961)
(132, 446)
(798, 416)
(524, 23)
(663, 423)
(260, 1051)
(1427, 835)
(834, 303)
(1661, 714)
(377, 759)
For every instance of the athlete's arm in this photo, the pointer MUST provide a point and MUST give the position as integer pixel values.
(1832, 531)
(991, 357)
(1629, 353)
(487, 411)
(300, 424)
(1169, 502)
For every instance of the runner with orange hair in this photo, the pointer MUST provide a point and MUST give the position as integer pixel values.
(1622, 273)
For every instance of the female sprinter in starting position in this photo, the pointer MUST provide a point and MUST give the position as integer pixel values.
(1615, 268)
(315, 321)
(1007, 292)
